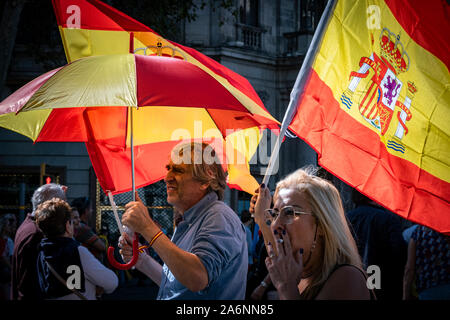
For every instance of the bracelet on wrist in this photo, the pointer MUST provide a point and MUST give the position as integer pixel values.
(156, 236)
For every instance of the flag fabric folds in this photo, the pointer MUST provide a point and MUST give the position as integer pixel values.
(91, 27)
(376, 105)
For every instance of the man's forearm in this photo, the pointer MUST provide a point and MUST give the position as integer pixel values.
(186, 267)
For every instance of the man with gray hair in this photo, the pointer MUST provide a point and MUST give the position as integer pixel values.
(24, 284)
(47, 192)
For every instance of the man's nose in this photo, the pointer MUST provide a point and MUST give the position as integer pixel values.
(169, 176)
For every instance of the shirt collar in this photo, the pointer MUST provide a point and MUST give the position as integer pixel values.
(189, 214)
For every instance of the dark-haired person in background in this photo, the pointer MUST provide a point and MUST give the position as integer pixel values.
(378, 235)
(84, 233)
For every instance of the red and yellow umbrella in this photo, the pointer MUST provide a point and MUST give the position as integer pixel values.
(93, 99)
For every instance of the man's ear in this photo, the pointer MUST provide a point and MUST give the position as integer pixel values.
(204, 186)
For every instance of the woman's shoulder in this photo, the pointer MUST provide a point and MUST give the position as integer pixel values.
(84, 252)
(346, 282)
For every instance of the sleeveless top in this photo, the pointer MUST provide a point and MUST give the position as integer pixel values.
(337, 266)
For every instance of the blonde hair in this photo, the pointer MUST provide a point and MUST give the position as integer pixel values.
(339, 247)
(204, 164)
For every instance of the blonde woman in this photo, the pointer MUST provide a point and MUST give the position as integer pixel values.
(314, 255)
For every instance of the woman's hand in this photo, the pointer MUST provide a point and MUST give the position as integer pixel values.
(259, 203)
(285, 269)
(126, 250)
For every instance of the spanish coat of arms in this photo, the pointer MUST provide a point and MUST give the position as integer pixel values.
(379, 95)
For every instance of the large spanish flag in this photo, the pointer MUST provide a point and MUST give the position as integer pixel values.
(376, 105)
(91, 27)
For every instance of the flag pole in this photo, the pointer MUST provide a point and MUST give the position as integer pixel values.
(297, 90)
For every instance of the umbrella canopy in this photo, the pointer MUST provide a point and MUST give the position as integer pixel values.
(171, 100)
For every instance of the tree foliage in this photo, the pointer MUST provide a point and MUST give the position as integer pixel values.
(39, 36)
(165, 17)
(38, 31)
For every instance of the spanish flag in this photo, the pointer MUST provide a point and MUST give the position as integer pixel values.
(91, 27)
(376, 104)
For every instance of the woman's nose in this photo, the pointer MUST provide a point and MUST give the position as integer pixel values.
(276, 224)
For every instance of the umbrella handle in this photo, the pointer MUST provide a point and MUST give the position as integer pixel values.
(131, 263)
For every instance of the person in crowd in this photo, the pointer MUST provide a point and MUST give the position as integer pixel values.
(12, 225)
(428, 265)
(378, 236)
(314, 255)
(7, 228)
(66, 270)
(75, 220)
(24, 285)
(246, 219)
(407, 233)
(256, 237)
(8, 223)
(207, 255)
(259, 285)
(84, 233)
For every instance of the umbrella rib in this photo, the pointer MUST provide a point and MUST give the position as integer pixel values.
(215, 123)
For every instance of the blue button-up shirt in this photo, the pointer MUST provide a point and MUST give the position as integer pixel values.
(212, 231)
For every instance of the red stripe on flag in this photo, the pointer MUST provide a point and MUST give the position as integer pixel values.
(431, 30)
(356, 155)
(95, 15)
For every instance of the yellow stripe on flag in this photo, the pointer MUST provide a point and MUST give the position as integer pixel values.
(80, 43)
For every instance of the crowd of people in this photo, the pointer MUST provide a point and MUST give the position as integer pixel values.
(49, 242)
(298, 243)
